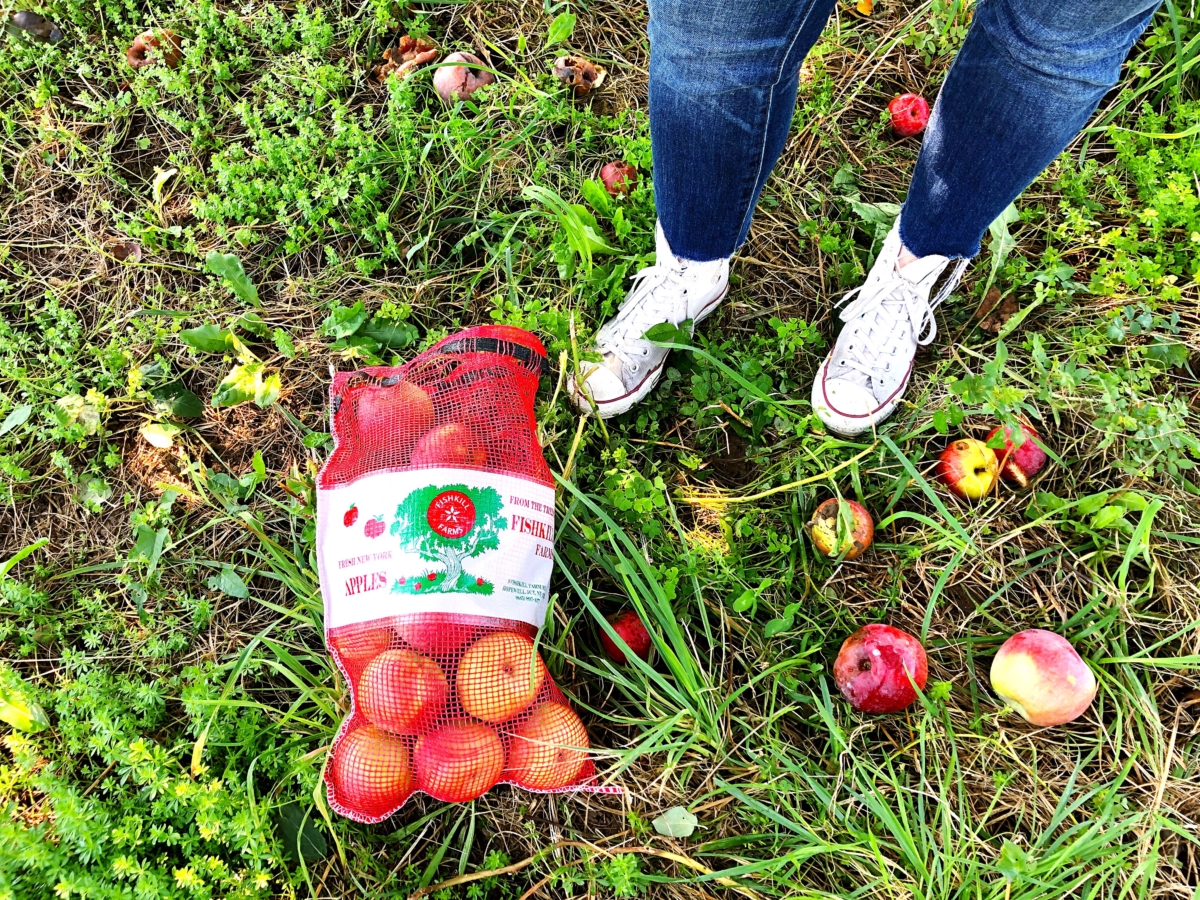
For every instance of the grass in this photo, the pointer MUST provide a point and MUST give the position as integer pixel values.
(162, 419)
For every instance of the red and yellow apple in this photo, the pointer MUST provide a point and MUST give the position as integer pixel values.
(499, 676)
(371, 772)
(823, 529)
(968, 467)
(1039, 674)
(402, 691)
(547, 750)
(1018, 463)
(629, 627)
(392, 417)
(874, 667)
(459, 762)
(449, 445)
(360, 646)
(438, 634)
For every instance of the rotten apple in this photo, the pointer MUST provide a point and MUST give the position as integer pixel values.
(459, 762)
(629, 627)
(499, 676)
(371, 772)
(618, 177)
(1018, 462)
(826, 526)
(450, 445)
(548, 749)
(460, 75)
(1039, 674)
(402, 691)
(968, 467)
(150, 47)
(874, 667)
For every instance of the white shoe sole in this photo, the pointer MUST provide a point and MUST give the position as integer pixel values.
(850, 424)
(607, 409)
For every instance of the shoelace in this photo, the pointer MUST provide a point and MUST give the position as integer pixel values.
(888, 298)
(636, 315)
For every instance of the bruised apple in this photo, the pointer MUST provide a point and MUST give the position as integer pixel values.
(395, 416)
(499, 676)
(874, 666)
(360, 646)
(548, 749)
(968, 467)
(823, 529)
(371, 771)
(402, 691)
(449, 445)
(459, 762)
(1018, 463)
(1039, 674)
(629, 627)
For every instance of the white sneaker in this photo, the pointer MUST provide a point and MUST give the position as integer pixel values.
(863, 378)
(672, 290)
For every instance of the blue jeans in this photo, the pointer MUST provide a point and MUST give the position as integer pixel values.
(723, 79)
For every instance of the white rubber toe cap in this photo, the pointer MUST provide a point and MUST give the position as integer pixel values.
(846, 408)
(600, 385)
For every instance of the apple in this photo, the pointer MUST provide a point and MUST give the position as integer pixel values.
(1039, 674)
(910, 113)
(450, 445)
(402, 691)
(391, 418)
(823, 529)
(548, 749)
(362, 645)
(371, 772)
(873, 668)
(618, 177)
(459, 762)
(499, 676)
(458, 82)
(628, 625)
(1018, 464)
(350, 517)
(968, 467)
(435, 633)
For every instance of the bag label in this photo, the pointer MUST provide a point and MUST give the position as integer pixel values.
(435, 540)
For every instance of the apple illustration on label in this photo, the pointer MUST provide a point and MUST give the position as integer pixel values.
(374, 527)
(350, 517)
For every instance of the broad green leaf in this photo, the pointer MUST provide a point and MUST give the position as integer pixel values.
(1169, 356)
(227, 581)
(1002, 242)
(207, 338)
(229, 268)
(241, 385)
(300, 833)
(74, 408)
(344, 321)
(160, 434)
(94, 493)
(268, 390)
(560, 29)
(597, 197)
(1012, 862)
(19, 416)
(668, 333)
(283, 343)
(315, 439)
(393, 335)
(22, 714)
(176, 400)
(676, 822)
(1108, 517)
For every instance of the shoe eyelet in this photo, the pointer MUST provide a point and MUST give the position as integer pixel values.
(634, 368)
(645, 351)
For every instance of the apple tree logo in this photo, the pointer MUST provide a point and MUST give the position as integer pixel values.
(447, 525)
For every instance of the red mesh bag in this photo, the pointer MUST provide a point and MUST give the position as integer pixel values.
(435, 530)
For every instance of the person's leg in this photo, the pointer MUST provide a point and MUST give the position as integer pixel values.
(722, 91)
(1026, 81)
(723, 79)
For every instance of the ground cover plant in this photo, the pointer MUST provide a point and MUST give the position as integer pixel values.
(186, 251)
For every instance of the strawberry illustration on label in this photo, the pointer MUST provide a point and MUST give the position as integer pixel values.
(374, 527)
(350, 517)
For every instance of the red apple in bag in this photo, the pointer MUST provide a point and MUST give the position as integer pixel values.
(459, 762)
(371, 772)
(548, 749)
(402, 691)
(450, 445)
(499, 676)
(389, 418)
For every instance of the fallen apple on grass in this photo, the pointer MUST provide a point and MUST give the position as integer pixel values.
(499, 676)
(371, 771)
(823, 529)
(402, 691)
(153, 46)
(968, 467)
(1018, 463)
(548, 749)
(628, 625)
(874, 667)
(910, 114)
(459, 82)
(449, 445)
(459, 762)
(618, 177)
(1039, 674)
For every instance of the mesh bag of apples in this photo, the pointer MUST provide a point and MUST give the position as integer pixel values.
(435, 518)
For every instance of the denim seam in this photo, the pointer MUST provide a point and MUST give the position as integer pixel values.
(762, 150)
